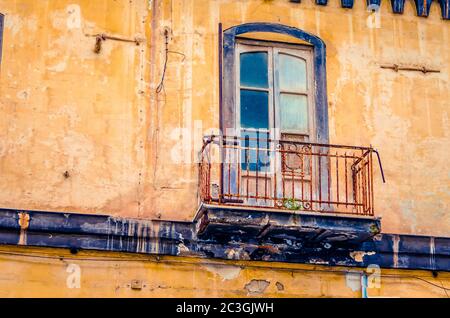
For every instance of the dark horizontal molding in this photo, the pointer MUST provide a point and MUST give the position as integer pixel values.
(422, 6)
(107, 233)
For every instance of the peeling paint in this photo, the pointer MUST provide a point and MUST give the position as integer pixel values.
(24, 94)
(395, 248)
(256, 287)
(24, 222)
(94, 232)
(280, 286)
(74, 16)
(237, 253)
(353, 280)
(109, 95)
(65, 108)
(224, 271)
(359, 255)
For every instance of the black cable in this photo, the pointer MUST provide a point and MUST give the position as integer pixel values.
(161, 83)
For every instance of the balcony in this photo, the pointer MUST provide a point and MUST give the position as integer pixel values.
(243, 180)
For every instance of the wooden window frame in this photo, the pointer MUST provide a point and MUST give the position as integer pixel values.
(228, 111)
(228, 95)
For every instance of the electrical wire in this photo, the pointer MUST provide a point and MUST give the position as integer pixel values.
(419, 278)
(166, 57)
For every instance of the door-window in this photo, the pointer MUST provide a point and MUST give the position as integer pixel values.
(275, 101)
(275, 98)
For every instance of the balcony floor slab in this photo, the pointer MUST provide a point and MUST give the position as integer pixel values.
(239, 224)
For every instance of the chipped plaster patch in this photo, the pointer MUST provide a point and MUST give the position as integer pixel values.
(67, 111)
(182, 249)
(73, 39)
(353, 280)
(256, 286)
(59, 67)
(280, 286)
(408, 213)
(69, 18)
(24, 94)
(359, 255)
(16, 145)
(226, 272)
(395, 246)
(14, 24)
(74, 16)
(237, 253)
(79, 149)
(318, 261)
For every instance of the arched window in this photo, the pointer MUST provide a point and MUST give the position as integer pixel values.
(278, 88)
(273, 98)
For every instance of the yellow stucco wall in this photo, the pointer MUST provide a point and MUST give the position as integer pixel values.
(32, 272)
(97, 116)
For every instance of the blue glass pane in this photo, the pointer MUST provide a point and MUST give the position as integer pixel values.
(294, 112)
(255, 154)
(254, 109)
(254, 69)
(292, 72)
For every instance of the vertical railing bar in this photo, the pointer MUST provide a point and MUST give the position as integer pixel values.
(320, 179)
(257, 164)
(265, 172)
(222, 157)
(293, 180)
(366, 184)
(209, 181)
(283, 172)
(367, 167)
(229, 177)
(337, 179)
(238, 155)
(371, 183)
(200, 175)
(311, 180)
(363, 181)
(275, 192)
(329, 180)
(360, 198)
(354, 184)
(302, 174)
(247, 162)
(369, 196)
(346, 181)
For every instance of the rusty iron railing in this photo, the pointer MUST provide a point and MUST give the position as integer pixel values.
(288, 175)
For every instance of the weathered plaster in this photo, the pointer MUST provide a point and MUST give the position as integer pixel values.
(49, 273)
(97, 116)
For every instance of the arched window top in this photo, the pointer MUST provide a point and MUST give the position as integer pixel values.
(275, 28)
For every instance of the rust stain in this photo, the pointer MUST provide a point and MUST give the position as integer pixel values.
(24, 222)
(256, 286)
